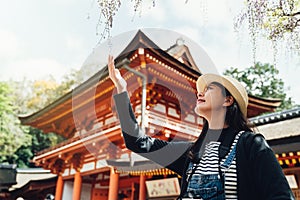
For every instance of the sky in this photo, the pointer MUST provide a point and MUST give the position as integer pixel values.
(51, 37)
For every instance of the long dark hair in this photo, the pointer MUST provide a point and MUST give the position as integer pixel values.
(234, 118)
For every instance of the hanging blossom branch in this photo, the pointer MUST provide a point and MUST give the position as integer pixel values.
(277, 20)
(108, 10)
(282, 18)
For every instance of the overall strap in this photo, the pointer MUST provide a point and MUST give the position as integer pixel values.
(226, 142)
(194, 150)
(225, 146)
(229, 158)
(226, 164)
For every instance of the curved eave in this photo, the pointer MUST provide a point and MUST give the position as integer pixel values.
(268, 102)
(258, 105)
(62, 108)
(91, 82)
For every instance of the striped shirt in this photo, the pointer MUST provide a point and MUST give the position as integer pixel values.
(209, 164)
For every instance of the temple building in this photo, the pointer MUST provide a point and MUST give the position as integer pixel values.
(93, 162)
(282, 131)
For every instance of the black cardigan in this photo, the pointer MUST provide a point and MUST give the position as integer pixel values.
(259, 174)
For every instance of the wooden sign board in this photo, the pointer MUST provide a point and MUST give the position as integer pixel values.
(163, 187)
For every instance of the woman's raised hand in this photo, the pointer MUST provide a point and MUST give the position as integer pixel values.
(115, 75)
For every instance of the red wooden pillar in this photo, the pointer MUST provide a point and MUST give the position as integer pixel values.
(113, 185)
(77, 164)
(142, 192)
(77, 186)
(59, 187)
(59, 168)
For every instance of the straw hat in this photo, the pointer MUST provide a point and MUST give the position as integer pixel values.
(236, 89)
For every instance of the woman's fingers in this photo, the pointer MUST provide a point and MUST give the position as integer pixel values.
(115, 75)
(111, 66)
(113, 72)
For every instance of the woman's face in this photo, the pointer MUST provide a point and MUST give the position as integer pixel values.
(211, 101)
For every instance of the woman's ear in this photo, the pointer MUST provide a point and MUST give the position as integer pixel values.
(228, 101)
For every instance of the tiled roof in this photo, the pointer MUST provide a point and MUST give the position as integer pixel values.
(276, 117)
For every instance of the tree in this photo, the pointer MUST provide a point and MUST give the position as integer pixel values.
(12, 136)
(262, 80)
(18, 143)
(277, 20)
(31, 96)
(39, 141)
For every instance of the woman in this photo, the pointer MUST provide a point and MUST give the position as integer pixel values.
(227, 161)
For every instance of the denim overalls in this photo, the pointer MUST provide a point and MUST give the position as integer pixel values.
(208, 187)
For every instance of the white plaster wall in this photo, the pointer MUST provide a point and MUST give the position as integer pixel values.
(68, 191)
(86, 190)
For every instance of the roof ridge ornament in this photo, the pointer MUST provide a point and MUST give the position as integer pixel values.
(180, 41)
